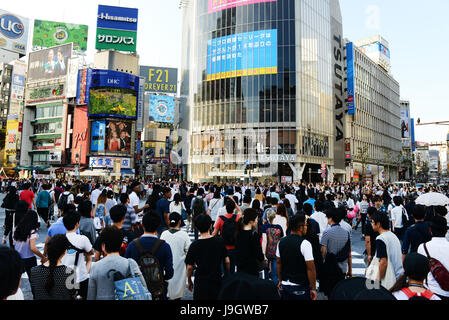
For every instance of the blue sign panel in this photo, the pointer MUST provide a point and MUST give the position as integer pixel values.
(98, 136)
(112, 94)
(243, 54)
(162, 109)
(351, 80)
(118, 18)
(413, 135)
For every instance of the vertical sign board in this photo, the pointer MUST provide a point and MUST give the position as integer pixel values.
(338, 80)
(140, 104)
(80, 135)
(351, 80)
(413, 134)
(98, 136)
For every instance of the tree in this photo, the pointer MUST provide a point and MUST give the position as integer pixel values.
(363, 156)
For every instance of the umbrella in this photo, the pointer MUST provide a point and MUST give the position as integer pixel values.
(357, 289)
(432, 199)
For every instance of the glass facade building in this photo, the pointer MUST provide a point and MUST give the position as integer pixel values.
(257, 88)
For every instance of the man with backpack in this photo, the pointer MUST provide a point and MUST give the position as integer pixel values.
(417, 234)
(79, 254)
(226, 226)
(64, 199)
(199, 207)
(437, 251)
(154, 257)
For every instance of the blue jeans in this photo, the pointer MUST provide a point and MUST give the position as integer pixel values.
(295, 293)
(274, 271)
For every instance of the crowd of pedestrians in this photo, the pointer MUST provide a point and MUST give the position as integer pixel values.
(295, 239)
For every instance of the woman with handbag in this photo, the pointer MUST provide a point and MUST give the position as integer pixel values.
(9, 204)
(248, 250)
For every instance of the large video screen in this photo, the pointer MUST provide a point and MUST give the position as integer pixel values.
(111, 94)
(118, 136)
(108, 101)
(243, 54)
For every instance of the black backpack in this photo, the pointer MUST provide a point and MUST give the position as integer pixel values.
(406, 220)
(228, 230)
(62, 202)
(151, 269)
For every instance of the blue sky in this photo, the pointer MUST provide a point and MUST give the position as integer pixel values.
(416, 30)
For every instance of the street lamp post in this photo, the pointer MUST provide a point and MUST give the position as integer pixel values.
(161, 151)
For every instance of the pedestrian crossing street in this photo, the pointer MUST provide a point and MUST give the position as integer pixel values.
(358, 264)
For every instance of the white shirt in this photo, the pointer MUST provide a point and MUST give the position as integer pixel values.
(16, 297)
(293, 200)
(134, 200)
(321, 218)
(177, 208)
(396, 215)
(83, 243)
(215, 205)
(94, 196)
(438, 249)
(306, 251)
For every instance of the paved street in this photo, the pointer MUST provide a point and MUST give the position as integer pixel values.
(358, 246)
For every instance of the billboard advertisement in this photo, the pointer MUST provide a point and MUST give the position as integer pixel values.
(412, 131)
(116, 28)
(218, 5)
(243, 54)
(18, 81)
(119, 40)
(98, 136)
(49, 63)
(140, 105)
(351, 80)
(12, 130)
(405, 124)
(112, 94)
(13, 32)
(81, 87)
(160, 79)
(118, 18)
(108, 162)
(51, 33)
(118, 136)
(80, 135)
(162, 109)
(55, 92)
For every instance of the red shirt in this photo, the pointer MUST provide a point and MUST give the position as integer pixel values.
(219, 226)
(28, 196)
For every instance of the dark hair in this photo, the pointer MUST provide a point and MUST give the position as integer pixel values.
(334, 214)
(441, 211)
(416, 267)
(297, 222)
(371, 211)
(381, 218)
(200, 192)
(11, 267)
(419, 212)
(377, 198)
(70, 220)
(151, 222)
(248, 192)
(247, 199)
(117, 213)
(85, 209)
(110, 194)
(307, 208)
(112, 238)
(29, 223)
(438, 227)
(248, 216)
(256, 204)
(397, 201)
(203, 223)
(177, 198)
(274, 201)
(174, 219)
(56, 246)
(230, 206)
(124, 198)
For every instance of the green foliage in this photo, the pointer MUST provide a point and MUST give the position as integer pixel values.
(113, 102)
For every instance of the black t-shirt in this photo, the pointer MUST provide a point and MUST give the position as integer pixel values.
(381, 249)
(248, 252)
(369, 232)
(207, 255)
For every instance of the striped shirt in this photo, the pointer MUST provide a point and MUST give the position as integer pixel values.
(130, 218)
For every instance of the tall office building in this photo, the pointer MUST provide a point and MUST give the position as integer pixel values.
(374, 118)
(262, 88)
